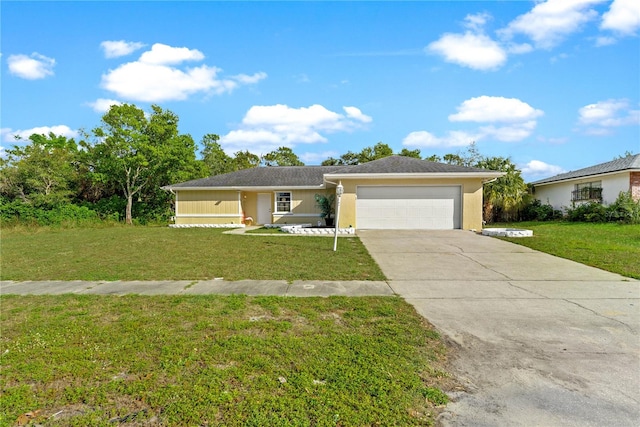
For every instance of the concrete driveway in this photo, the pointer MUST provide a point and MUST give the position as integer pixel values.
(541, 341)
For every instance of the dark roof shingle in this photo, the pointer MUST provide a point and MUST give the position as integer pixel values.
(404, 164)
(273, 176)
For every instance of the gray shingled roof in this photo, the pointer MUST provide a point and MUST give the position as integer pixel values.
(273, 176)
(617, 165)
(404, 164)
(312, 176)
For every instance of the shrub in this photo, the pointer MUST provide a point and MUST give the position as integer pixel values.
(536, 211)
(17, 211)
(624, 209)
(587, 212)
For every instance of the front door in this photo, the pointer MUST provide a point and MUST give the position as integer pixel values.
(264, 208)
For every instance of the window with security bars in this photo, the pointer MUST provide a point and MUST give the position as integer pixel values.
(587, 191)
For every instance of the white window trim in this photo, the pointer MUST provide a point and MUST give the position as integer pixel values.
(275, 201)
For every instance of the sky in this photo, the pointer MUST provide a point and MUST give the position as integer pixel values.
(553, 85)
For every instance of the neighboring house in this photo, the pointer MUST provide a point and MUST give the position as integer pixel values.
(395, 192)
(600, 183)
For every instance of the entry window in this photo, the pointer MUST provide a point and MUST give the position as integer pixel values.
(283, 201)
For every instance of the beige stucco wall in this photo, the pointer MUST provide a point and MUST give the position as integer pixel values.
(471, 198)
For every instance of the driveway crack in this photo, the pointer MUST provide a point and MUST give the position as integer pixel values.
(601, 315)
(484, 266)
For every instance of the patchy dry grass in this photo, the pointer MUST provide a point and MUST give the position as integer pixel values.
(161, 253)
(213, 360)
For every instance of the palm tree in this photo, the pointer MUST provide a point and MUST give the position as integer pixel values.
(506, 193)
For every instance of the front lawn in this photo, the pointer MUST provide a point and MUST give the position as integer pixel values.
(162, 253)
(214, 360)
(611, 247)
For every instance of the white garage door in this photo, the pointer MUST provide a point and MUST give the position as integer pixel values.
(408, 208)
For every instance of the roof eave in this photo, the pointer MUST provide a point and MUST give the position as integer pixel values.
(249, 188)
(447, 175)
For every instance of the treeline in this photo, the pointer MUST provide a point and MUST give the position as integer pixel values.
(115, 172)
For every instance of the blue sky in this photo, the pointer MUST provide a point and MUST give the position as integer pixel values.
(553, 85)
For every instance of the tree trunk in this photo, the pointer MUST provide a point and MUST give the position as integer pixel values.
(128, 211)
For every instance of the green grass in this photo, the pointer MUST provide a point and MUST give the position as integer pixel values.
(162, 253)
(79, 360)
(611, 247)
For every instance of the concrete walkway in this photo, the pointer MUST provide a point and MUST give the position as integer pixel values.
(541, 341)
(199, 287)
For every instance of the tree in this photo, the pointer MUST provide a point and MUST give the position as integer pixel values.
(331, 162)
(433, 158)
(505, 194)
(349, 158)
(410, 153)
(283, 156)
(139, 154)
(378, 151)
(215, 159)
(43, 172)
(453, 159)
(245, 160)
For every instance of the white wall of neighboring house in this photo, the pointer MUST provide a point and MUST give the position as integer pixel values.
(558, 194)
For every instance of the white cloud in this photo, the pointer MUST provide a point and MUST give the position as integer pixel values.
(155, 76)
(511, 133)
(519, 48)
(494, 109)
(8, 134)
(622, 17)
(115, 49)
(267, 127)
(540, 168)
(477, 21)
(599, 118)
(356, 114)
(425, 139)
(476, 51)
(505, 119)
(162, 54)
(247, 80)
(102, 105)
(605, 40)
(548, 23)
(32, 67)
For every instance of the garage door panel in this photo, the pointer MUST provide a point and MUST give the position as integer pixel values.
(410, 207)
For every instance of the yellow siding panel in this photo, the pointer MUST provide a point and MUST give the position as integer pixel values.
(207, 202)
